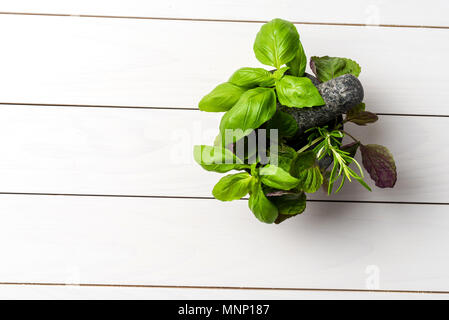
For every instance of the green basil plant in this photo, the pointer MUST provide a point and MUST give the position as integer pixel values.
(276, 173)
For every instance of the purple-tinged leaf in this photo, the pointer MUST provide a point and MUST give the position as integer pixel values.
(379, 163)
(312, 67)
(363, 118)
(354, 110)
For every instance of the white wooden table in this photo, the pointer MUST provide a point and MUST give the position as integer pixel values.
(99, 195)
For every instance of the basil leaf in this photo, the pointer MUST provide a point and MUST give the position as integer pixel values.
(278, 178)
(379, 163)
(279, 73)
(304, 168)
(262, 208)
(298, 92)
(276, 43)
(310, 180)
(217, 159)
(233, 186)
(222, 98)
(352, 67)
(299, 63)
(290, 204)
(282, 217)
(284, 123)
(218, 141)
(255, 107)
(252, 77)
(362, 118)
(285, 156)
(327, 68)
(303, 161)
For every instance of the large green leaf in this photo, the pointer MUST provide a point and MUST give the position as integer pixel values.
(305, 168)
(352, 67)
(327, 68)
(299, 63)
(218, 141)
(298, 92)
(284, 123)
(222, 98)
(310, 180)
(285, 156)
(262, 208)
(276, 177)
(279, 73)
(303, 161)
(217, 159)
(255, 107)
(290, 204)
(252, 77)
(233, 186)
(276, 43)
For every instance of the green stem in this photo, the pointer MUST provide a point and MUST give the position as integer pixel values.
(350, 135)
(307, 146)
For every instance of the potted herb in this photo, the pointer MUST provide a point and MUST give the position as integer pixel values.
(282, 130)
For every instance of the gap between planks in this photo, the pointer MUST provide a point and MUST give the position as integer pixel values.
(180, 108)
(205, 198)
(224, 20)
(198, 197)
(218, 287)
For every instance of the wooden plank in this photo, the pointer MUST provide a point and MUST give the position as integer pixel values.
(49, 292)
(349, 11)
(207, 243)
(149, 152)
(130, 62)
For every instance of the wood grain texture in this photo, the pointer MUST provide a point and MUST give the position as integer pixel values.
(208, 243)
(62, 60)
(149, 152)
(347, 11)
(48, 292)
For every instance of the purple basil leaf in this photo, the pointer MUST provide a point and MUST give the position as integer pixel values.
(379, 163)
(356, 109)
(362, 118)
(312, 67)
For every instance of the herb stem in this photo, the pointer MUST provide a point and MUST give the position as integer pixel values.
(350, 135)
(307, 146)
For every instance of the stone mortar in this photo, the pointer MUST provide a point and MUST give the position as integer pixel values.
(340, 95)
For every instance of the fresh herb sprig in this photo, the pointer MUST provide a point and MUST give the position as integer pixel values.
(330, 145)
(251, 100)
